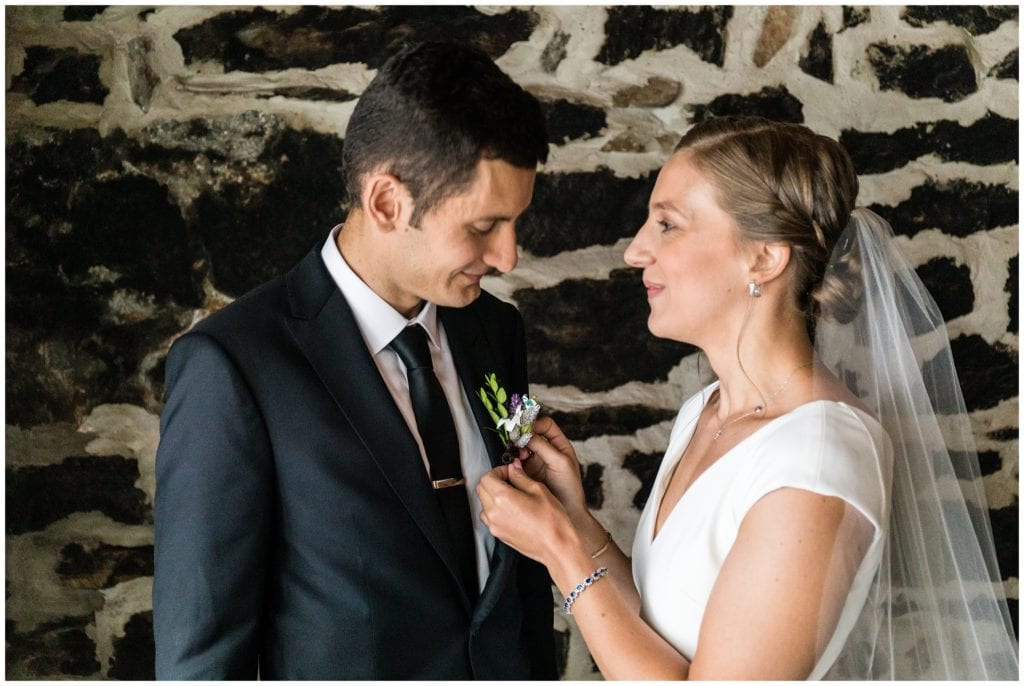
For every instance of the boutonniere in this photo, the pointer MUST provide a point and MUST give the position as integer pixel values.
(513, 415)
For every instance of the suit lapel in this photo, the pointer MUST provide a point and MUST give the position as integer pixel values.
(473, 358)
(325, 330)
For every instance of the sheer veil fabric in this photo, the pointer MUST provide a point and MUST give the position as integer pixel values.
(935, 609)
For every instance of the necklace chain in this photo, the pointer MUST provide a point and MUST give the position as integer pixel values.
(758, 409)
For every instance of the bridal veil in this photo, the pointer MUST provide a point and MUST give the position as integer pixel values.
(936, 609)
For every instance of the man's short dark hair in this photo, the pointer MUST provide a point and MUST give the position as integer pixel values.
(433, 111)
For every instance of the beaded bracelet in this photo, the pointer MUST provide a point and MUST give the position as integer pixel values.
(575, 593)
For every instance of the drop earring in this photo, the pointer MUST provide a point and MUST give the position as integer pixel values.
(754, 289)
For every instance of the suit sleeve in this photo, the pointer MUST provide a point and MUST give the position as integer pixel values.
(533, 580)
(212, 513)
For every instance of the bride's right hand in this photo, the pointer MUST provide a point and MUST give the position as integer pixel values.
(552, 460)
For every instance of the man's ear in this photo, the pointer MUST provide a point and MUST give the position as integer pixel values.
(768, 261)
(385, 200)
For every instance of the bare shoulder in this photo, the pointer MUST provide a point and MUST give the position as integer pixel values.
(827, 387)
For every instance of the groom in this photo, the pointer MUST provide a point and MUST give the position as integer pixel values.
(321, 442)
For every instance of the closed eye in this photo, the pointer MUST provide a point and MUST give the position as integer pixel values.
(483, 228)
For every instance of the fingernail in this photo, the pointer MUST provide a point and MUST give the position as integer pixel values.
(517, 463)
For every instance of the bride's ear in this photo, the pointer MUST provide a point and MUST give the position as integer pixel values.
(769, 261)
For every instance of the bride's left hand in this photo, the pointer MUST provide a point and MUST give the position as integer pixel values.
(523, 513)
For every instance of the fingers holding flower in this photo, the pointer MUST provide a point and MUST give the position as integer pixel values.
(553, 461)
(550, 459)
(521, 511)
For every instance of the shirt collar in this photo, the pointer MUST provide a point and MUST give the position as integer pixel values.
(378, 321)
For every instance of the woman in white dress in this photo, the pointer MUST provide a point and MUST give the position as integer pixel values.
(796, 528)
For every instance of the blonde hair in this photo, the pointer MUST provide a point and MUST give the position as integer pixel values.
(783, 183)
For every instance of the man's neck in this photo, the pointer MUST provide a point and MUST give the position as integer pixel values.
(357, 248)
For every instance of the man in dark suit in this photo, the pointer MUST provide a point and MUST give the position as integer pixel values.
(321, 440)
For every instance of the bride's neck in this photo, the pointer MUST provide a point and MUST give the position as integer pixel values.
(769, 357)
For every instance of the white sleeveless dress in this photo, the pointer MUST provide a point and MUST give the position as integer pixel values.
(823, 446)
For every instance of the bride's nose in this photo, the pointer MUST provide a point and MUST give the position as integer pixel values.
(638, 253)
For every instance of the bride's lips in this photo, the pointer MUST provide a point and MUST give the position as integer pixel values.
(653, 289)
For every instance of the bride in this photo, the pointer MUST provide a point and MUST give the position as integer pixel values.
(806, 520)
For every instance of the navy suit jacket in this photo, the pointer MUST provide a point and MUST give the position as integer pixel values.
(297, 535)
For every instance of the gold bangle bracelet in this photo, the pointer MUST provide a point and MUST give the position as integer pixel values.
(607, 542)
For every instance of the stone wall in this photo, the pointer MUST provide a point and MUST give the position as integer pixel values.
(161, 162)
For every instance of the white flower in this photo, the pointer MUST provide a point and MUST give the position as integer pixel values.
(512, 422)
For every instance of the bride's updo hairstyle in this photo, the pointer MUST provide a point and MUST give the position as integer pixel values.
(783, 183)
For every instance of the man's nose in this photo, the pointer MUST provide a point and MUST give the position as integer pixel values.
(501, 248)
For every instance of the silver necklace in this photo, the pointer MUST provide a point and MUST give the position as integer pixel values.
(758, 409)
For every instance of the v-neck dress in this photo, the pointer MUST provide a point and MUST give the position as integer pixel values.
(824, 446)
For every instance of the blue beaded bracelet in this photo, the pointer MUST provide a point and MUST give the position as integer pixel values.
(575, 593)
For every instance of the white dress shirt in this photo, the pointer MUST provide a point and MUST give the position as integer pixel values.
(379, 323)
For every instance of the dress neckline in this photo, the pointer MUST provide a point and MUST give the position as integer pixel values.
(661, 484)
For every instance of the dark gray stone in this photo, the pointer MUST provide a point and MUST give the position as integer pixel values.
(958, 208)
(571, 121)
(593, 485)
(61, 647)
(82, 227)
(976, 20)
(855, 16)
(562, 640)
(104, 565)
(988, 372)
(632, 30)
(593, 334)
(55, 74)
(255, 231)
(72, 206)
(83, 12)
(1007, 434)
(774, 102)
(950, 285)
(241, 138)
(643, 466)
(554, 52)
(1008, 68)
(259, 40)
(1005, 529)
(616, 420)
(924, 72)
(990, 140)
(1011, 287)
(818, 58)
(134, 653)
(579, 209)
(77, 484)
(989, 462)
(311, 93)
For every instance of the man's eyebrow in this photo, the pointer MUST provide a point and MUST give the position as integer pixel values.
(493, 218)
